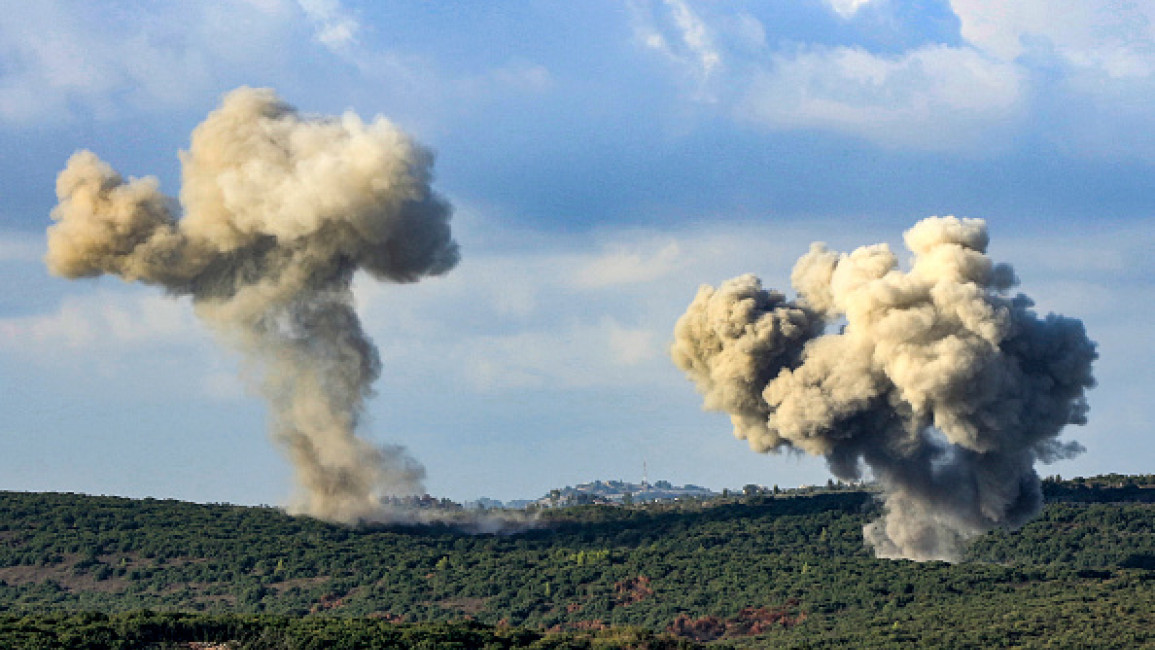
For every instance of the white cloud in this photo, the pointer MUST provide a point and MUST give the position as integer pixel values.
(1113, 36)
(336, 27)
(48, 57)
(70, 328)
(1079, 74)
(695, 37)
(549, 317)
(748, 31)
(138, 341)
(621, 264)
(595, 354)
(936, 97)
(141, 345)
(58, 57)
(847, 8)
(1099, 62)
(932, 97)
(682, 37)
(103, 323)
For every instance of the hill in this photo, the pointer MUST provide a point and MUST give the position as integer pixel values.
(738, 570)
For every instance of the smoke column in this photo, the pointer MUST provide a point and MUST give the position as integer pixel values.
(946, 386)
(279, 211)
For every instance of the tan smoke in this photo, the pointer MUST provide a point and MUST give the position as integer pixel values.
(943, 384)
(277, 212)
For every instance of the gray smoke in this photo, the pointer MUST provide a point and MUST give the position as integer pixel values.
(279, 211)
(946, 386)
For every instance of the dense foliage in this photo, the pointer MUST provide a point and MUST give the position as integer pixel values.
(732, 570)
(146, 629)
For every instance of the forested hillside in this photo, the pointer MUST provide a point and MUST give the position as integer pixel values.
(792, 570)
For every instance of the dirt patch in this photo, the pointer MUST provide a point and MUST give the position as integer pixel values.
(326, 603)
(748, 622)
(634, 590)
(594, 625)
(388, 617)
(334, 600)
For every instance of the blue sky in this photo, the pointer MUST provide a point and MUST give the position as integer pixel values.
(604, 159)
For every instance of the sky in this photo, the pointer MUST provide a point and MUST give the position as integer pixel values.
(604, 159)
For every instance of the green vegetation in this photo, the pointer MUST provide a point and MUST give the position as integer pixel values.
(146, 629)
(757, 569)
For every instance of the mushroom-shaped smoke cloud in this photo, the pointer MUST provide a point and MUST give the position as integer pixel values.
(279, 211)
(939, 381)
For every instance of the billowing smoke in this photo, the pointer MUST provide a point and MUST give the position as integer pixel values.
(946, 386)
(279, 211)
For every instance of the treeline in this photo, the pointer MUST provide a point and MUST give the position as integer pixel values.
(790, 569)
(146, 629)
(1109, 488)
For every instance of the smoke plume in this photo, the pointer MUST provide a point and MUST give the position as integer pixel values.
(946, 386)
(279, 210)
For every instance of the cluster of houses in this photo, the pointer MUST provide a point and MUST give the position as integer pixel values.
(608, 493)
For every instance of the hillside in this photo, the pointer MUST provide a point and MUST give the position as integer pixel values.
(743, 570)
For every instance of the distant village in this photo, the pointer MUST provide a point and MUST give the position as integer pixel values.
(614, 493)
(624, 493)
